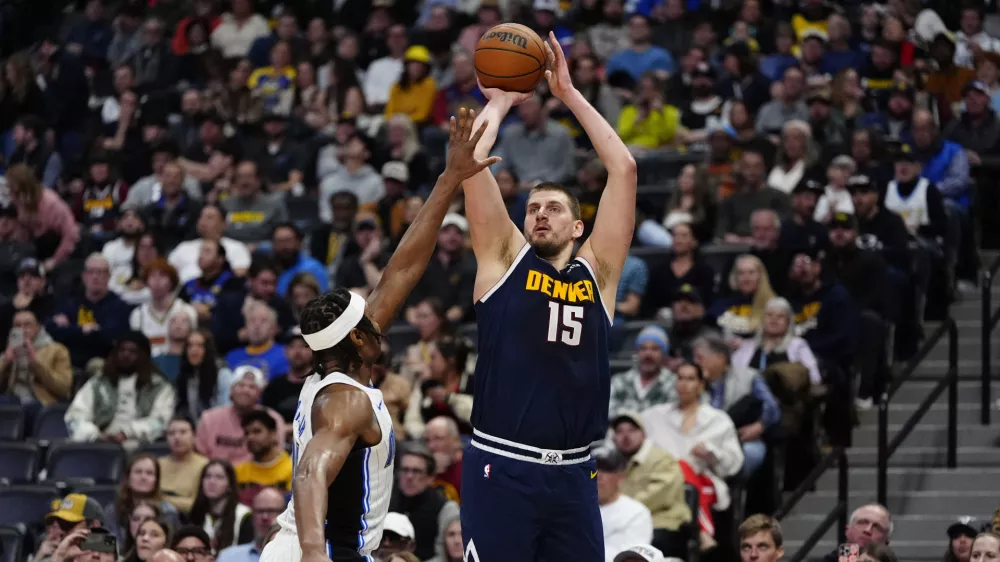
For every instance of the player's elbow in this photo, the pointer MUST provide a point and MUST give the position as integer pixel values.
(626, 168)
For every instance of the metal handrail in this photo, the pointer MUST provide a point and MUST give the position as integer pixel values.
(950, 381)
(990, 318)
(836, 515)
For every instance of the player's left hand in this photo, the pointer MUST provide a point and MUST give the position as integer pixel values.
(560, 82)
(462, 162)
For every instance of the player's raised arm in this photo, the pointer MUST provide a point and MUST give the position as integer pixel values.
(340, 416)
(408, 262)
(608, 245)
(495, 238)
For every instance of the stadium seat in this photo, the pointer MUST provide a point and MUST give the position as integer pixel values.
(8, 399)
(27, 503)
(11, 422)
(102, 462)
(12, 543)
(104, 494)
(18, 462)
(157, 449)
(50, 425)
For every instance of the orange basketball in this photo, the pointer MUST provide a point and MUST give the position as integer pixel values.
(510, 57)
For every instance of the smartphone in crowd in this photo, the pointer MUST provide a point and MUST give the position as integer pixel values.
(849, 553)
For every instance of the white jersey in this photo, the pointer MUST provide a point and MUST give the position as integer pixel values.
(912, 208)
(358, 500)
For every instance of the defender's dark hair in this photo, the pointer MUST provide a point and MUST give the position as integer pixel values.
(574, 203)
(319, 313)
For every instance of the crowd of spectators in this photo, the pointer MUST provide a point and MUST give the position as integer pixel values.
(182, 176)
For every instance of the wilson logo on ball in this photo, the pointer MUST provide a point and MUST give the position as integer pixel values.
(508, 37)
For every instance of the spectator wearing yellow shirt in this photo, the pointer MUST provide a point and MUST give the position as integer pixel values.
(271, 466)
(415, 92)
(647, 122)
(275, 85)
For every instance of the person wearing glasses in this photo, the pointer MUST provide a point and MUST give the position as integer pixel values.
(192, 544)
(267, 506)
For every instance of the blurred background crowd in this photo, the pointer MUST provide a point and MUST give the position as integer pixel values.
(182, 176)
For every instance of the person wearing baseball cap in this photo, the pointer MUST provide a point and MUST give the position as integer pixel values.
(32, 294)
(978, 128)
(802, 227)
(961, 535)
(915, 198)
(282, 392)
(653, 477)
(626, 521)
(398, 535)
(73, 512)
(656, 381)
(640, 553)
(689, 323)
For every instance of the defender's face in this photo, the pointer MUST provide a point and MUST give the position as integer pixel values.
(549, 225)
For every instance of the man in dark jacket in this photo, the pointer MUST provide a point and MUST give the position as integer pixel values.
(88, 324)
(860, 271)
(228, 323)
(825, 313)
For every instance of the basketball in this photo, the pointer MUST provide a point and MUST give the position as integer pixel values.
(510, 57)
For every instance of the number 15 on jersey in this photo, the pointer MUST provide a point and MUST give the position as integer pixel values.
(565, 323)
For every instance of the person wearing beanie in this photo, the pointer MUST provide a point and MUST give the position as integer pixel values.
(648, 383)
(96, 414)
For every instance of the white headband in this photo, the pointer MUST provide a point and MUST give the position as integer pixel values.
(338, 330)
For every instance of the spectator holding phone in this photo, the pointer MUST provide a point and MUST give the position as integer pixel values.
(34, 367)
(87, 545)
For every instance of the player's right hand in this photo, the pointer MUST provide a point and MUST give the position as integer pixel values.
(462, 162)
(512, 98)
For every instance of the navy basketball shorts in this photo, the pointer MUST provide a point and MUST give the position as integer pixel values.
(520, 511)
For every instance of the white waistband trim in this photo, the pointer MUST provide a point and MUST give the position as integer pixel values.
(551, 458)
(510, 443)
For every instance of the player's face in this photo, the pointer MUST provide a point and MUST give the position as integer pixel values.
(549, 224)
(760, 547)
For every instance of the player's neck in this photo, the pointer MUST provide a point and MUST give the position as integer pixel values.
(361, 373)
(560, 260)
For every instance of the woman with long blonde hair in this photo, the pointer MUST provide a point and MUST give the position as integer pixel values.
(739, 316)
(42, 217)
(404, 145)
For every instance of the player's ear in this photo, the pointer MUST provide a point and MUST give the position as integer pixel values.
(357, 338)
(577, 229)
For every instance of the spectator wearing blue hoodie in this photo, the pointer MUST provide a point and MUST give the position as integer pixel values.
(641, 56)
(286, 242)
(89, 323)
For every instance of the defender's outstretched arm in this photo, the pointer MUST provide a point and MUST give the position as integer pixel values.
(409, 261)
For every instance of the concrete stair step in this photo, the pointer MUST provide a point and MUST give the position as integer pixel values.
(960, 479)
(914, 391)
(926, 457)
(820, 503)
(967, 413)
(929, 435)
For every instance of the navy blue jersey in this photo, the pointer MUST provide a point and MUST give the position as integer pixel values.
(542, 374)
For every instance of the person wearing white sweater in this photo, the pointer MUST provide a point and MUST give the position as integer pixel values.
(626, 521)
(696, 433)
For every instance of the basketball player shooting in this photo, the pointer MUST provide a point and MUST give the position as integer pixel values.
(542, 380)
(344, 443)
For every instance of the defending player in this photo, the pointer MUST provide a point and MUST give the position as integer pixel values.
(542, 378)
(344, 444)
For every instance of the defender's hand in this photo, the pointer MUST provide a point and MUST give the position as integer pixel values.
(462, 163)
